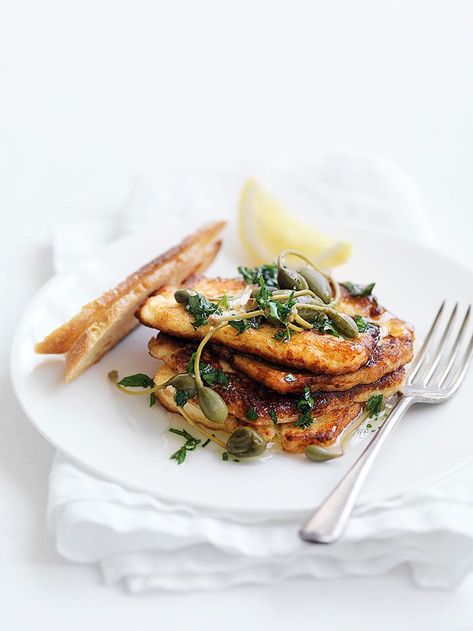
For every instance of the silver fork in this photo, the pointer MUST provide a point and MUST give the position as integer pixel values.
(435, 375)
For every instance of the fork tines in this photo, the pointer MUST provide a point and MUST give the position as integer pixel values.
(443, 360)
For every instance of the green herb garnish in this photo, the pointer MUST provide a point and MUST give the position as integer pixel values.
(248, 323)
(273, 416)
(137, 381)
(190, 445)
(181, 397)
(283, 335)
(374, 405)
(305, 405)
(289, 378)
(267, 273)
(206, 442)
(252, 414)
(201, 308)
(210, 375)
(324, 324)
(225, 456)
(361, 323)
(152, 399)
(358, 290)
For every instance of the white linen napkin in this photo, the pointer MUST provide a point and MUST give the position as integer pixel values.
(148, 543)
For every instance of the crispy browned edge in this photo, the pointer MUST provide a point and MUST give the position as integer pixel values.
(115, 321)
(61, 339)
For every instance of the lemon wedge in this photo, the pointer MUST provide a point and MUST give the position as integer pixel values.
(266, 228)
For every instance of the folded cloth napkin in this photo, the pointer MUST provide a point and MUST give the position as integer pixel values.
(147, 543)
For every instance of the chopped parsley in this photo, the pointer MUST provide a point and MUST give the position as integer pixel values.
(210, 375)
(361, 323)
(243, 325)
(283, 335)
(268, 274)
(252, 414)
(191, 443)
(374, 405)
(181, 397)
(305, 404)
(305, 420)
(206, 442)
(273, 416)
(137, 381)
(324, 324)
(225, 456)
(201, 308)
(358, 290)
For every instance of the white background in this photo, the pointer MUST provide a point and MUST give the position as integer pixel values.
(94, 94)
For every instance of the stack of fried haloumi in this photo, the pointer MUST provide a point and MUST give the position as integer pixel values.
(267, 377)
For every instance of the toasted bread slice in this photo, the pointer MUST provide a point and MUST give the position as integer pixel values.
(105, 321)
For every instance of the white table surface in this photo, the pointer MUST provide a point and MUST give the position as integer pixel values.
(94, 94)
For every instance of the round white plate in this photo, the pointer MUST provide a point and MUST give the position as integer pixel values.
(122, 439)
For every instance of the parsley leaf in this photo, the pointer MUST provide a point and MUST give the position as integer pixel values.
(305, 405)
(137, 381)
(358, 290)
(181, 397)
(225, 455)
(206, 442)
(324, 324)
(210, 375)
(283, 335)
(243, 325)
(307, 402)
(252, 414)
(305, 420)
(179, 455)
(374, 404)
(201, 308)
(361, 323)
(190, 445)
(267, 273)
(273, 416)
(152, 399)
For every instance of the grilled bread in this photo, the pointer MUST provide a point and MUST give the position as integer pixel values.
(105, 321)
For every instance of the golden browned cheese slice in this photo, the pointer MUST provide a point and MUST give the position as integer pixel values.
(105, 321)
(166, 398)
(324, 431)
(390, 354)
(331, 414)
(311, 350)
(244, 394)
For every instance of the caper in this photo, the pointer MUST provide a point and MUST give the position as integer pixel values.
(320, 454)
(343, 323)
(185, 383)
(317, 283)
(245, 442)
(182, 296)
(310, 300)
(290, 279)
(212, 405)
(309, 315)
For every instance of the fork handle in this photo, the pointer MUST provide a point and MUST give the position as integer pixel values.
(329, 520)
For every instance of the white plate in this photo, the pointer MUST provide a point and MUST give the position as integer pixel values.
(122, 439)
